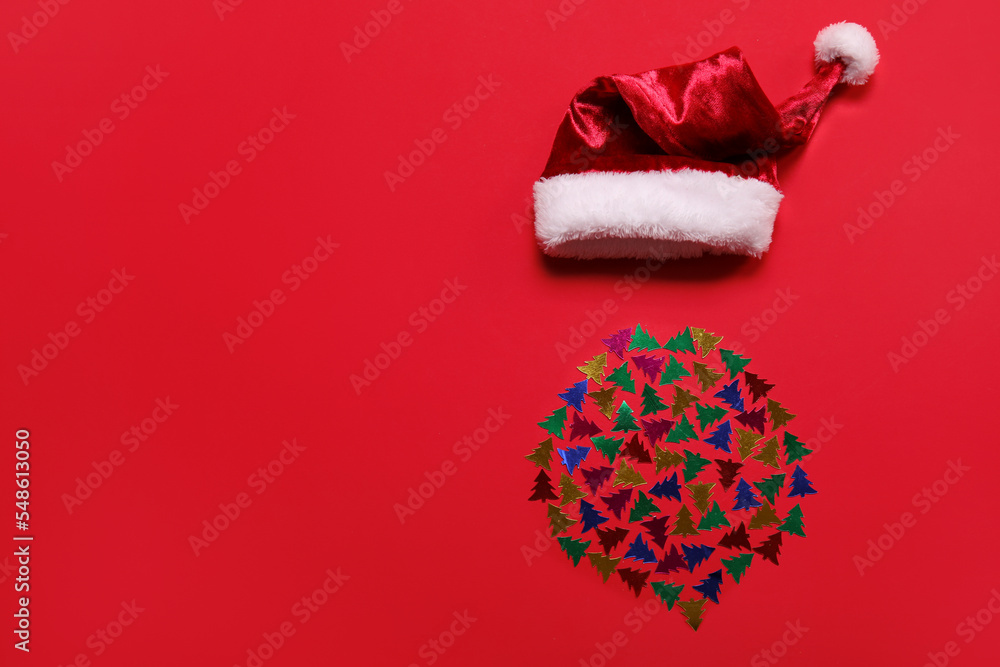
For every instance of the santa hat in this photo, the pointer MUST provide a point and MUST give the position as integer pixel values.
(681, 161)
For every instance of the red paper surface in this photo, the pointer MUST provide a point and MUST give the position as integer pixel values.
(451, 584)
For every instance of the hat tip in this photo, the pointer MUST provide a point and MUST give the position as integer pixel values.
(853, 45)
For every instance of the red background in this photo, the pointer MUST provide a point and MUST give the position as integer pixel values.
(457, 217)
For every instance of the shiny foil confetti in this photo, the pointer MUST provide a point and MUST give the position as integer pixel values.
(668, 468)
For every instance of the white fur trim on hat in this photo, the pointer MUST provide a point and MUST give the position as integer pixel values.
(852, 44)
(654, 214)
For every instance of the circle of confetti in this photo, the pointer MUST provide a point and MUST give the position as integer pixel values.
(669, 468)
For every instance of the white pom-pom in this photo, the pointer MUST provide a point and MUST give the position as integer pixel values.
(852, 44)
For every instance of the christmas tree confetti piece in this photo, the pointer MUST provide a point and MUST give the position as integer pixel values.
(596, 477)
(779, 415)
(618, 342)
(625, 421)
(770, 486)
(707, 377)
(668, 489)
(582, 428)
(634, 579)
(605, 400)
(636, 451)
(571, 457)
(657, 530)
(683, 399)
(701, 494)
(623, 378)
(696, 554)
(594, 369)
(682, 342)
(643, 508)
(590, 516)
(575, 549)
(731, 396)
(611, 446)
(651, 403)
(574, 395)
(745, 497)
(705, 340)
(801, 486)
(642, 340)
(649, 366)
(684, 526)
(738, 538)
(558, 520)
(628, 476)
(542, 455)
(612, 537)
(555, 422)
(765, 516)
(709, 587)
(693, 465)
(770, 548)
(570, 491)
(673, 371)
(618, 501)
(737, 565)
(758, 387)
(543, 488)
(794, 449)
(708, 415)
(666, 459)
(753, 419)
(681, 432)
(668, 593)
(692, 610)
(768, 454)
(734, 362)
(671, 562)
(747, 442)
(793, 522)
(640, 551)
(728, 469)
(603, 564)
(713, 519)
(721, 437)
(656, 429)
